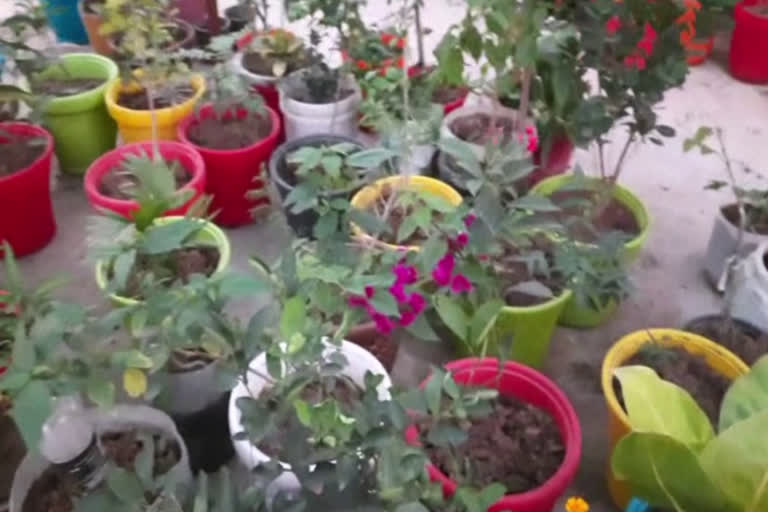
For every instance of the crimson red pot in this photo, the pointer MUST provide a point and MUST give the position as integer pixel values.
(26, 210)
(233, 173)
(170, 150)
(530, 386)
(749, 44)
(557, 161)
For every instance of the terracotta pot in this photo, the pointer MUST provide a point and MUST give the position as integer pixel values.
(93, 22)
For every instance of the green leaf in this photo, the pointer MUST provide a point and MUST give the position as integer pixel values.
(201, 498)
(121, 268)
(534, 203)
(413, 506)
(453, 316)
(443, 435)
(451, 60)
(433, 392)
(132, 359)
(492, 494)
(332, 165)
(236, 286)
(13, 93)
(346, 470)
(125, 485)
(407, 228)
(383, 302)
(101, 391)
(303, 412)
(422, 330)
(163, 238)
(370, 158)
(657, 406)
(326, 225)
(484, 320)
(471, 40)
(13, 277)
(144, 463)
(294, 317)
(31, 407)
(748, 395)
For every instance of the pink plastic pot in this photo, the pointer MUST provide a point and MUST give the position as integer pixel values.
(230, 173)
(749, 44)
(557, 161)
(26, 210)
(170, 150)
(532, 387)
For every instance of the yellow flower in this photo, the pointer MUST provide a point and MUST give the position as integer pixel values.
(576, 504)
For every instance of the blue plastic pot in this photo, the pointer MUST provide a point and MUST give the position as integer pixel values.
(2, 63)
(65, 21)
(637, 505)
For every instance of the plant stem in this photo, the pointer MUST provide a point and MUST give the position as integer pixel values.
(525, 99)
(601, 157)
(620, 164)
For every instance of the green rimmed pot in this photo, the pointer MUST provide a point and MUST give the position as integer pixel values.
(80, 124)
(210, 233)
(634, 247)
(582, 316)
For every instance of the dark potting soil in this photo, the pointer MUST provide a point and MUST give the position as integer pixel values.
(731, 213)
(574, 204)
(67, 86)
(689, 371)
(480, 128)
(138, 100)
(18, 153)
(262, 65)
(230, 133)
(748, 343)
(395, 219)
(340, 388)
(513, 272)
(171, 267)
(119, 183)
(54, 491)
(445, 95)
(382, 346)
(12, 450)
(206, 434)
(518, 445)
(329, 96)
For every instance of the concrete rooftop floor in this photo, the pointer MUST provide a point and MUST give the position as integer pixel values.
(669, 285)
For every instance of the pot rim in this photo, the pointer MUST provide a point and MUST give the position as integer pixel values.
(32, 130)
(123, 114)
(109, 67)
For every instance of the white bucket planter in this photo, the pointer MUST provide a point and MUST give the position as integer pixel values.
(748, 289)
(360, 361)
(192, 391)
(303, 119)
(722, 246)
(236, 65)
(117, 419)
(447, 133)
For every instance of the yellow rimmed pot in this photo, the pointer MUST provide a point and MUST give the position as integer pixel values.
(366, 196)
(136, 125)
(209, 234)
(719, 359)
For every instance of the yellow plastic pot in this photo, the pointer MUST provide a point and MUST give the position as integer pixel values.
(366, 196)
(211, 234)
(623, 195)
(721, 360)
(136, 125)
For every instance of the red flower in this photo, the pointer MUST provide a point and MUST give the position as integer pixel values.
(417, 302)
(401, 43)
(406, 274)
(613, 25)
(401, 62)
(362, 65)
(398, 292)
(692, 4)
(648, 40)
(370, 291)
(634, 61)
(387, 38)
(356, 301)
(383, 323)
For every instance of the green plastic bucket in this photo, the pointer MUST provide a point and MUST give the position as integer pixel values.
(582, 316)
(80, 124)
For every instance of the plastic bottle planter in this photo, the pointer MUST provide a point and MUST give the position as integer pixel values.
(721, 360)
(531, 387)
(233, 174)
(26, 210)
(749, 44)
(65, 21)
(187, 157)
(80, 123)
(136, 125)
(360, 362)
(749, 295)
(634, 247)
(120, 418)
(92, 23)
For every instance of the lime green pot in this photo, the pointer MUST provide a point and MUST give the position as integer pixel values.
(80, 124)
(210, 234)
(583, 316)
(634, 247)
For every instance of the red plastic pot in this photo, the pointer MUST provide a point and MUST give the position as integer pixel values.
(558, 160)
(170, 150)
(26, 210)
(230, 173)
(530, 386)
(447, 107)
(749, 44)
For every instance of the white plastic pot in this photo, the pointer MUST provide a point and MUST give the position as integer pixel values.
(236, 65)
(360, 361)
(119, 418)
(192, 391)
(748, 289)
(464, 111)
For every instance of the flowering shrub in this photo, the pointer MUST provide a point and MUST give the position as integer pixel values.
(369, 50)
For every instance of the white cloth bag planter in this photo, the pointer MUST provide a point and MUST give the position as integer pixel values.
(359, 360)
(192, 391)
(236, 65)
(722, 246)
(119, 418)
(748, 289)
(499, 112)
(303, 119)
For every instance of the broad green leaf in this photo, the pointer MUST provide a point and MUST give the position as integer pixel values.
(163, 238)
(303, 412)
(660, 407)
(422, 330)
(13, 93)
(747, 395)
(294, 317)
(665, 472)
(346, 470)
(433, 391)
(326, 225)
(492, 494)
(101, 391)
(453, 316)
(413, 506)
(236, 286)
(443, 435)
(384, 302)
(31, 407)
(201, 498)
(125, 485)
(370, 158)
(132, 359)
(484, 320)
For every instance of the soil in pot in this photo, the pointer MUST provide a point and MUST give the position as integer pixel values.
(585, 225)
(263, 65)
(513, 272)
(480, 128)
(18, 152)
(397, 215)
(55, 492)
(518, 445)
(742, 339)
(119, 183)
(689, 371)
(339, 388)
(754, 217)
(382, 346)
(66, 86)
(229, 132)
(167, 97)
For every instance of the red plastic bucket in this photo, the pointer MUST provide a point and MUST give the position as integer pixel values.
(26, 210)
(532, 387)
(749, 45)
(170, 150)
(558, 160)
(231, 173)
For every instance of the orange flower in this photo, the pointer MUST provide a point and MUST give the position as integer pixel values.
(576, 504)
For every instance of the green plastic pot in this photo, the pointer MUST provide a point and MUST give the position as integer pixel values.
(582, 316)
(210, 234)
(80, 124)
(634, 247)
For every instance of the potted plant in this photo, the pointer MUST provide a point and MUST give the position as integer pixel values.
(664, 465)
(92, 16)
(65, 22)
(667, 346)
(236, 135)
(749, 33)
(244, 12)
(150, 101)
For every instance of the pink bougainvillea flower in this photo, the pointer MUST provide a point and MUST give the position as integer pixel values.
(648, 40)
(417, 302)
(613, 25)
(444, 270)
(370, 291)
(470, 219)
(462, 240)
(407, 318)
(356, 301)
(406, 274)
(383, 323)
(398, 292)
(460, 284)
